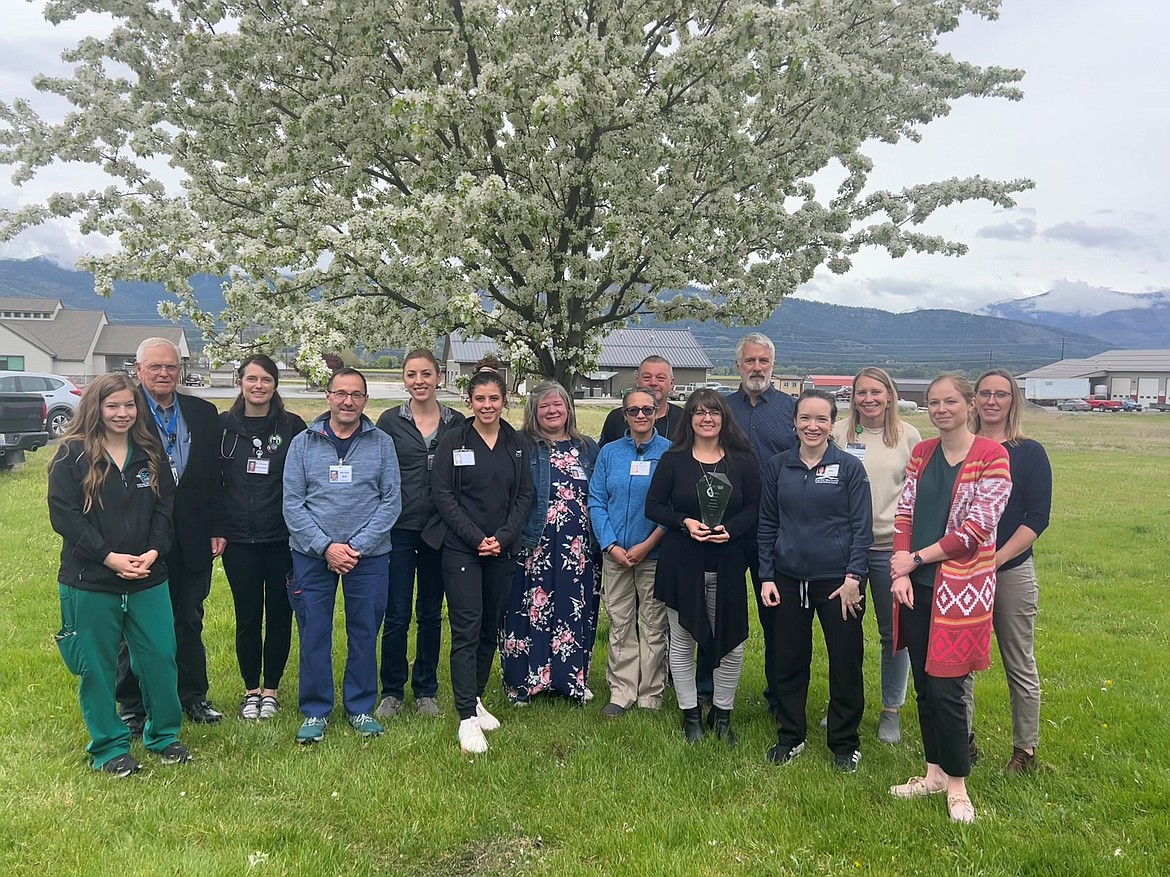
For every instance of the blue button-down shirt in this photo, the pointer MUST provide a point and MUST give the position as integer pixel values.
(769, 424)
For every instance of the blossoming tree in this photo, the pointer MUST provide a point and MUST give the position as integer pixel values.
(536, 172)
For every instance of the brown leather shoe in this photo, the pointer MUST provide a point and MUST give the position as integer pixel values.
(1021, 761)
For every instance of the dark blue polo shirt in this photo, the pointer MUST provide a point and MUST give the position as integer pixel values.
(769, 424)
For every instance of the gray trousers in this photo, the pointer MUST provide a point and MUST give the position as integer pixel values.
(895, 665)
(1017, 597)
(682, 659)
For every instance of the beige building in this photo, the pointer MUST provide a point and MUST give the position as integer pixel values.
(42, 335)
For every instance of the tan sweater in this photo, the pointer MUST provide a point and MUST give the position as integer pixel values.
(886, 468)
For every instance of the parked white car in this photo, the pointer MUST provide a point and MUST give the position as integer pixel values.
(61, 395)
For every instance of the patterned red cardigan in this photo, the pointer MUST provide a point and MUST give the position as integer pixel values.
(964, 587)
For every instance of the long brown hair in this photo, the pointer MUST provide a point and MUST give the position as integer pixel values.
(87, 432)
(731, 437)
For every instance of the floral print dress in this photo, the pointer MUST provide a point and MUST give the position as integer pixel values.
(546, 641)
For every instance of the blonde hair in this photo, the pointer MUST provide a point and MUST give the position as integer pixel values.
(891, 423)
(1013, 428)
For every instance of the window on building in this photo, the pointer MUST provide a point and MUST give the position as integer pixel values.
(11, 363)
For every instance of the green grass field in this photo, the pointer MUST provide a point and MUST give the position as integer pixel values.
(564, 792)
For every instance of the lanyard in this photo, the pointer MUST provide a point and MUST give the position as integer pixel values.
(167, 431)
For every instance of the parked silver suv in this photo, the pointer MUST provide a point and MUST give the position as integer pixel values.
(61, 395)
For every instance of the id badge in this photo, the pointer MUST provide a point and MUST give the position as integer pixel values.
(257, 466)
(430, 462)
(640, 467)
(175, 473)
(856, 450)
(464, 457)
(577, 472)
(341, 474)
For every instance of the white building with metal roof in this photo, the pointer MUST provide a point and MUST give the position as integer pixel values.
(1140, 375)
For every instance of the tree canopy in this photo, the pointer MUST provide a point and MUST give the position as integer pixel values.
(378, 173)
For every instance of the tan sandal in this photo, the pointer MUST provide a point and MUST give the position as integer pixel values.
(961, 809)
(917, 787)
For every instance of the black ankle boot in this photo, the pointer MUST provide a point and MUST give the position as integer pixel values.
(693, 724)
(723, 726)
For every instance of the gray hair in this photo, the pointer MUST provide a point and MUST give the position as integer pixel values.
(755, 338)
(632, 390)
(547, 388)
(148, 343)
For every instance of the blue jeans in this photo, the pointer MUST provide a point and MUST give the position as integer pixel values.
(313, 593)
(895, 665)
(408, 554)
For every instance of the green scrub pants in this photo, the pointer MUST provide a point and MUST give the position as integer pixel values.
(93, 624)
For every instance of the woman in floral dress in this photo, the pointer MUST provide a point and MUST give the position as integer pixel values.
(547, 637)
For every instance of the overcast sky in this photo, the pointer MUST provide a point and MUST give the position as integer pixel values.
(1092, 132)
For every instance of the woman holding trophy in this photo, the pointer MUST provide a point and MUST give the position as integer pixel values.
(705, 492)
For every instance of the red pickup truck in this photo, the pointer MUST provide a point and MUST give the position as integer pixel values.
(1103, 403)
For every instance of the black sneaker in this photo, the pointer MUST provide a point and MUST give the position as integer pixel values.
(847, 762)
(203, 713)
(135, 722)
(781, 754)
(122, 766)
(176, 753)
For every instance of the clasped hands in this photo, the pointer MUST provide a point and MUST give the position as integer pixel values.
(131, 566)
(700, 532)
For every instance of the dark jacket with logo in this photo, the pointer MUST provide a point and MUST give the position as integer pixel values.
(249, 506)
(815, 524)
(415, 461)
(130, 518)
(445, 491)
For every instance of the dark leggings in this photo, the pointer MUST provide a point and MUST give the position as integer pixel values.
(477, 595)
(942, 714)
(256, 573)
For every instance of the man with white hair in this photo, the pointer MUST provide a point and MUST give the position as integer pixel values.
(767, 418)
(188, 429)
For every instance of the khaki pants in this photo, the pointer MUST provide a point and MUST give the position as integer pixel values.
(636, 667)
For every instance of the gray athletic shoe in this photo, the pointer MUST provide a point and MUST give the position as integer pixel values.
(427, 706)
(389, 708)
(890, 727)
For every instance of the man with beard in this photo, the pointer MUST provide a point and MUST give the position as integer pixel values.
(766, 416)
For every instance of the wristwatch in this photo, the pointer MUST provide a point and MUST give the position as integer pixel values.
(917, 560)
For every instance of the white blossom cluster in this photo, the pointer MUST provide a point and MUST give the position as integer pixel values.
(536, 172)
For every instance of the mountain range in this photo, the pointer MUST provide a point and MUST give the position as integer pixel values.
(1067, 322)
(1136, 320)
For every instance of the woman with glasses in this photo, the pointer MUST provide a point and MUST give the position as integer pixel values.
(706, 493)
(546, 642)
(635, 669)
(816, 526)
(998, 415)
(482, 489)
(943, 571)
(250, 531)
(882, 441)
(416, 426)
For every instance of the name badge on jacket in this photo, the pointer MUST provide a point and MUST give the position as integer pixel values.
(464, 457)
(340, 474)
(639, 467)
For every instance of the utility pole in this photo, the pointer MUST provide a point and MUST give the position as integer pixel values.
(1062, 348)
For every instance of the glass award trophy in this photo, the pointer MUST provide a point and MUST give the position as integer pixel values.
(714, 494)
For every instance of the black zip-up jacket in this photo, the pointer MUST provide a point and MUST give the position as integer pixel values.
(815, 524)
(130, 519)
(414, 461)
(250, 507)
(445, 491)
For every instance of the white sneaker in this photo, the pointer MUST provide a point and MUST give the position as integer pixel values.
(487, 722)
(471, 738)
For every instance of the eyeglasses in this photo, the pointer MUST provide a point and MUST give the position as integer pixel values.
(342, 395)
(998, 395)
(705, 412)
(644, 410)
(157, 369)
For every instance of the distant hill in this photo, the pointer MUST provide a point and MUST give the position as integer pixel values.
(130, 303)
(832, 339)
(1138, 320)
(810, 336)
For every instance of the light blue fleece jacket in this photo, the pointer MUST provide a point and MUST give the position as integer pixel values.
(319, 512)
(617, 499)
